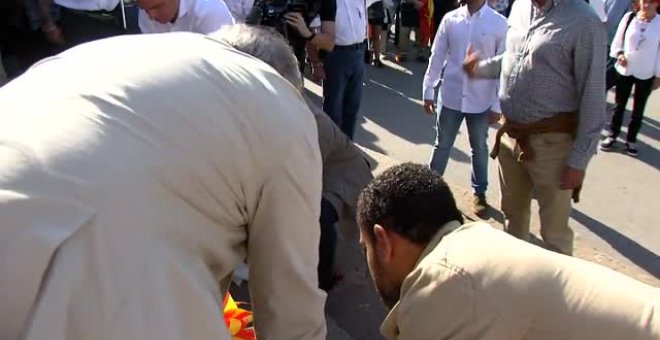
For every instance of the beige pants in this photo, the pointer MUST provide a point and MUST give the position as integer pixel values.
(539, 177)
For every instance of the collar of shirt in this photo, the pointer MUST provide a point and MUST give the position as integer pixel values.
(389, 326)
(184, 8)
(466, 13)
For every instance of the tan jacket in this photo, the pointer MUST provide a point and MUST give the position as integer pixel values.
(137, 172)
(346, 170)
(475, 282)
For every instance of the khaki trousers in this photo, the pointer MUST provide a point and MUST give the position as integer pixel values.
(540, 177)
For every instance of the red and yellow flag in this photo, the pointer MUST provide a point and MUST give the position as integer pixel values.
(238, 320)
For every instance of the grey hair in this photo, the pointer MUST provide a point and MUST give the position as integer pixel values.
(264, 44)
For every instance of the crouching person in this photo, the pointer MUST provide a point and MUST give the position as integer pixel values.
(444, 279)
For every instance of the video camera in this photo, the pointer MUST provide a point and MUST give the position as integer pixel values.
(271, 13)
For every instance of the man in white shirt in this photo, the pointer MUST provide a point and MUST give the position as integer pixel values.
(198, 16)
(132, 188)
(344, 65)
(478, 27)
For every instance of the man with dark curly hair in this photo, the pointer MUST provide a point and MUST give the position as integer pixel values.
(446, 280)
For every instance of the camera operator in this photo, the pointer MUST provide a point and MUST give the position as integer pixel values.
(297, 17)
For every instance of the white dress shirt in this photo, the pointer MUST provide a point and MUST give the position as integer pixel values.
(350, 22)
(485, 31)
(239, 8)
(131, 191)
(88, 5)
(599, 7)
(198, 16)
(641, 47)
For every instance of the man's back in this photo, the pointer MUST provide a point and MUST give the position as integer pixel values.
(515, 290)
(137, 182)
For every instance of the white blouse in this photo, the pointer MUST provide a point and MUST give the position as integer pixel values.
(641, 47)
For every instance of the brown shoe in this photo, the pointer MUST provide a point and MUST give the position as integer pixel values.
(479, 204)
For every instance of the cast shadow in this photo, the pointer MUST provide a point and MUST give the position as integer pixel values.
(651, 129)
(392, 100)
(642, 257)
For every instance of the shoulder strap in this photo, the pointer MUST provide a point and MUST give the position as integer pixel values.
(629, 20)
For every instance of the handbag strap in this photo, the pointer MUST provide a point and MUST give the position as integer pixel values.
(629, 20)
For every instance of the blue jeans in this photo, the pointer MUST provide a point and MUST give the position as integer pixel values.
(342, 88)
(447, 124)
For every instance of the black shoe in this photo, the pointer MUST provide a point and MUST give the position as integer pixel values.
(479, 204)
(631, 149)
(378, 63)
(422, 59)
(607, 144)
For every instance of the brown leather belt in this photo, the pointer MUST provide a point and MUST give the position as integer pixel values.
(566, 122)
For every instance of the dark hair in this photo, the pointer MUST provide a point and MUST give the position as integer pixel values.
(409, 199)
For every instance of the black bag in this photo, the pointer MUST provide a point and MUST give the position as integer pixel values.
(611, 74)
(368, 53)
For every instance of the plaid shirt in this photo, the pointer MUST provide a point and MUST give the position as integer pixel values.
(554, 62)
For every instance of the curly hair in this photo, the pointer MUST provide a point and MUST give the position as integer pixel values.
(410, 200)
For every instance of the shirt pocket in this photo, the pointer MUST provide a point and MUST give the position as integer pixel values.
(486, 43)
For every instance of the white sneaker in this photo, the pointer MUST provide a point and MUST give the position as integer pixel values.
(607, 144)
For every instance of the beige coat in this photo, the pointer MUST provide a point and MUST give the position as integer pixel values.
(135, 173)
(478, 283)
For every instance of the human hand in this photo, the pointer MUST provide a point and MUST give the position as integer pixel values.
(494, 117)
(656, 83)
(429, 106)
(622, 60)
(297, 21)
(471, 61)
(571, 179)
(54, 35)
(318, 72)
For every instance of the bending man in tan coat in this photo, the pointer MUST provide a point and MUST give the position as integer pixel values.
(129, 190)
(445, 280)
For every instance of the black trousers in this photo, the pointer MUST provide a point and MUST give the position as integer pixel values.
(624, 85)
(328, 245)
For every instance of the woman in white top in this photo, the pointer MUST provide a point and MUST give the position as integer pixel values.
(637, 49)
